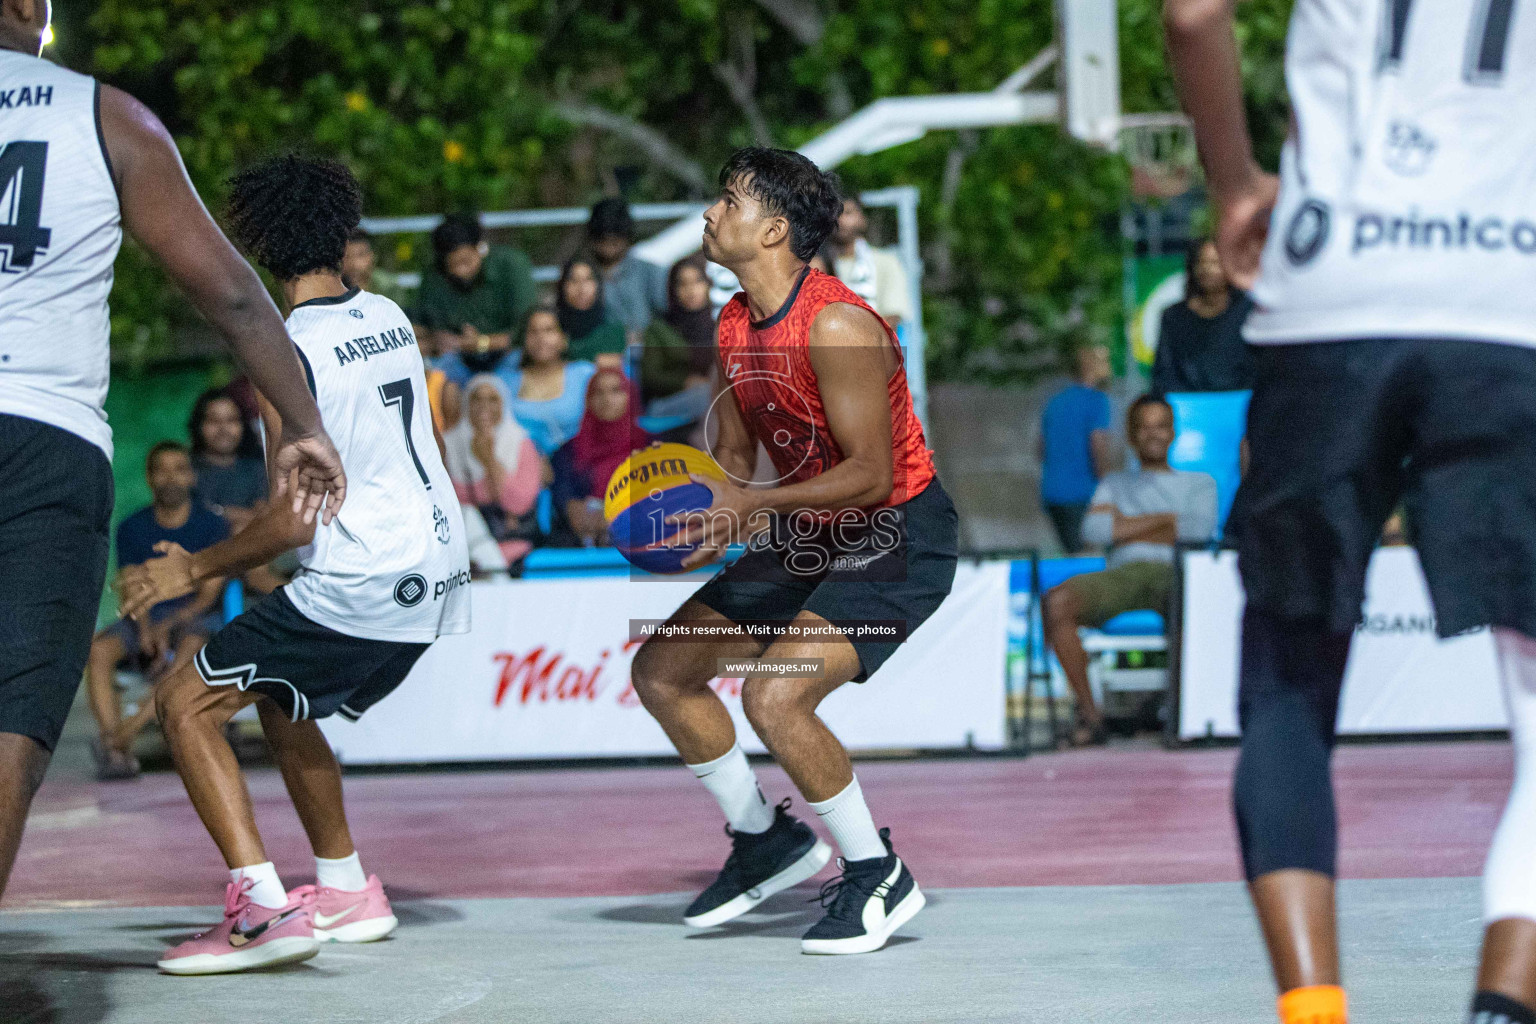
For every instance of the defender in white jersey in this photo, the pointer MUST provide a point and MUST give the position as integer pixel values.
(80, 162)
(379, 583)
(1395, 340)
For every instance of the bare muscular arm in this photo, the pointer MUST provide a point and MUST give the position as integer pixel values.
(162, 210)
(1202, 46)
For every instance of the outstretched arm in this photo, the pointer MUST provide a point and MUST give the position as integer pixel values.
(1202, 44)
(163, 211)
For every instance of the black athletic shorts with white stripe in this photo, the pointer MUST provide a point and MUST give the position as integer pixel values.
(55, 510)
(1341, 432)
(310, 670)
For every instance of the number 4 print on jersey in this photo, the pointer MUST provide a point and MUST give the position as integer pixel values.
(22, 237)
(1487, 41)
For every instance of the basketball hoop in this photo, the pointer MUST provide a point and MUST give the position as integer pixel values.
(1161, 151)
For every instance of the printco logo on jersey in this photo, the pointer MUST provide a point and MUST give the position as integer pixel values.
(410, 590)
(1459, 232)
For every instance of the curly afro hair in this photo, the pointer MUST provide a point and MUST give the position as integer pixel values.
(293, 215)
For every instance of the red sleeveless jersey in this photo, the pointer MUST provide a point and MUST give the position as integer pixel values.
(767, 367)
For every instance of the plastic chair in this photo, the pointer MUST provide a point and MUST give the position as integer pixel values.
(1209, 429)
(1135, 631)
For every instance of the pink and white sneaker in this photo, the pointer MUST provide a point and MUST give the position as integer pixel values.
(249, 937)
(342, 916)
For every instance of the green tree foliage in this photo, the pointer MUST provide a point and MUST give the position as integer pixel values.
(495, 104)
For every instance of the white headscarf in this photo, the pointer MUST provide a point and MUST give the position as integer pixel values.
(463, 467)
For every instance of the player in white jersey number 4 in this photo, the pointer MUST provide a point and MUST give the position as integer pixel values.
(80, 162)
(1395, 340)
(378, 585)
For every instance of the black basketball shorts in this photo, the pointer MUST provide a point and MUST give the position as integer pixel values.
(309, 670)
(889, 577)
(1340, 433)
(55, 511)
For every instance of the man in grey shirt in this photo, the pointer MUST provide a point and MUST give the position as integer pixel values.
(633, 290)
(1139, 517)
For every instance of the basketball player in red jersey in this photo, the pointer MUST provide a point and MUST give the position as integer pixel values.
(851, 549)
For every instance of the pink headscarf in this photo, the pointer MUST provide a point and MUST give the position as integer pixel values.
(601, 445)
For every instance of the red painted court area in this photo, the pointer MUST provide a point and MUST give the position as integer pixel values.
(1115, 816)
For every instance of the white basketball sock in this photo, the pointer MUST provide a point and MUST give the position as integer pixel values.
(847, 817)
(267, 890)
(1509, 878)
(734, 785)
(345, 874)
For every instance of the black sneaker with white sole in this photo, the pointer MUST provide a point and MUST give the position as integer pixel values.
(865, 905)
(759, 866)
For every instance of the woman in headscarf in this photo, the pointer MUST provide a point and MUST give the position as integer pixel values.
(583, 467)
(678, 358)
(497, 473)
(589, 329)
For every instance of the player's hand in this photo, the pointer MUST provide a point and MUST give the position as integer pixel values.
(732, 516)
(1243, 227)
(141, 587)
(321, 479)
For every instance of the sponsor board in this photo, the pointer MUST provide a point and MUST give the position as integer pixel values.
(1401, 678)
(545, 674)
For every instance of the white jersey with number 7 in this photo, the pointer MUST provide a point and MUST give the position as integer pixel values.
(393, 564)
(1408, 188)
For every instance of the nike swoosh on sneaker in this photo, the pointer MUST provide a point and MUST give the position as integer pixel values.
(244, 936)
(326, 920)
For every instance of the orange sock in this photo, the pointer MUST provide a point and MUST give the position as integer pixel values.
(1315, 1004)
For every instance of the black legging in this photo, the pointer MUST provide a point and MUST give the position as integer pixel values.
(1288, 703)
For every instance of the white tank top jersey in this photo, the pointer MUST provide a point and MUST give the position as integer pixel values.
(1408, 188)
(393, 564)
(59, 234)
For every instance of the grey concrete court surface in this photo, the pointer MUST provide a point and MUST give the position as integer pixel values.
(1146, 954)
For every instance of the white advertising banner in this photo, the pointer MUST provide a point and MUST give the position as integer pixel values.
(545, 674)
(1401, 678)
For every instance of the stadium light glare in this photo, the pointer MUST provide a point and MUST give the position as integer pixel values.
(48, 36)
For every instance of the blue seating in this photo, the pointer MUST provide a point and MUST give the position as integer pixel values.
(662, 424)
(1145, 622)
(1209, 436)
(234, 599)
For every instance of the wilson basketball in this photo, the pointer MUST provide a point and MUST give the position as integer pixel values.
(649, 486)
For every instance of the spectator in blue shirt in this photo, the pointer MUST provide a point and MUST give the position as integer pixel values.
(177, 629)
(1076, 447)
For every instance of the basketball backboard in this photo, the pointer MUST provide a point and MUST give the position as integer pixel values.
(1088, 75)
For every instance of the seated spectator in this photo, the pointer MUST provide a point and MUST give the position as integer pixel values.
(230, 483)
(591, 332)
(1200, 344)
(584, 466)
(360, 269)
(633, 290)
(875, 275)
(677, 358)
(177, 629)
(549, 391)
(1140, 517)
(472, 298)
(1075, 448)
(497, 473)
